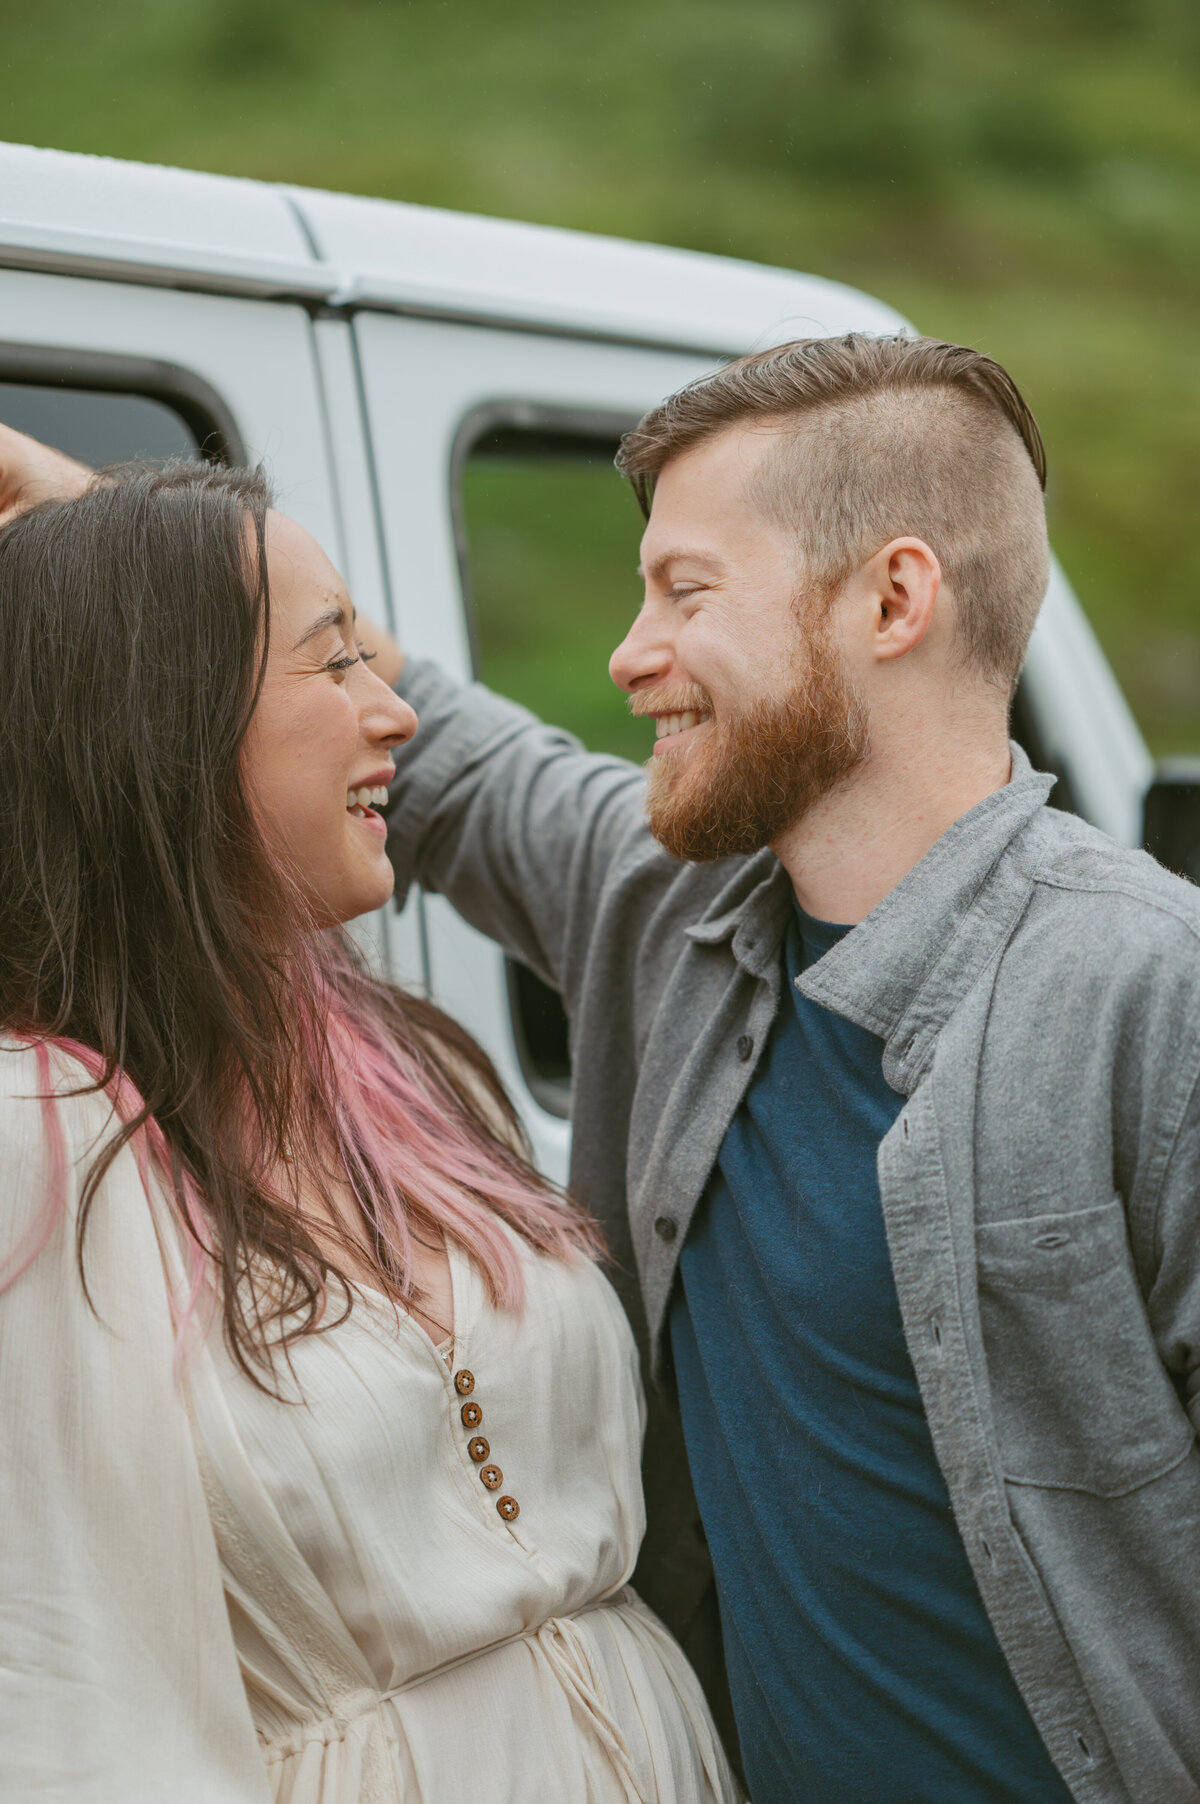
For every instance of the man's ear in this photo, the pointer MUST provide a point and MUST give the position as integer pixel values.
(904, 579)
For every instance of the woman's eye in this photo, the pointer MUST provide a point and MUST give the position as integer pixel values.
(340, 664)
(366, 657)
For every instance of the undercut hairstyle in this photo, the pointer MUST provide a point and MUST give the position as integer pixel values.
(879, 438)
(150, 933)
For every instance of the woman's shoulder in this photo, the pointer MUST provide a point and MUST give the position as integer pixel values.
(45, 1089)
(54, 1123)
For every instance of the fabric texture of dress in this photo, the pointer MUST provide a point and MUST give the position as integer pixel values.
(211, 1596)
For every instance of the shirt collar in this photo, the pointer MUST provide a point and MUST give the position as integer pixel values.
(900, 972)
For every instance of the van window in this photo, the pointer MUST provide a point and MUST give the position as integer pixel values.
(96, 426)
(548, 542)
(549, 536)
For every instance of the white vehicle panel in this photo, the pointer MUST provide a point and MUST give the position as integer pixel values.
(258, 356)
(56, 190)
(424, 259)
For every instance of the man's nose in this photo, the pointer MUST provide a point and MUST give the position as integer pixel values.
(644, 655)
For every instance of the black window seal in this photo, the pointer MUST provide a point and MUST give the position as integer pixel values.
(196, 402)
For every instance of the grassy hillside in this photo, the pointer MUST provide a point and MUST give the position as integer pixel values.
(1017, 174)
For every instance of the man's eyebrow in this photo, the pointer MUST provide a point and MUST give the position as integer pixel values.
(328, 617)
(659, 564)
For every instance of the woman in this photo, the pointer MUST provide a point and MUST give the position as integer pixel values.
(322, 1425)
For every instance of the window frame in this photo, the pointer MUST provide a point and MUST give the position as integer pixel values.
(587, 426)
(195, 401)
(594, 425)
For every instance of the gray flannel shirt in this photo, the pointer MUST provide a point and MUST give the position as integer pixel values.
(1038, 992)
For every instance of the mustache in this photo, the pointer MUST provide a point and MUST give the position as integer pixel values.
(679, 699)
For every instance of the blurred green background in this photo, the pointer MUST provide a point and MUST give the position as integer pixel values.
(1021, 175)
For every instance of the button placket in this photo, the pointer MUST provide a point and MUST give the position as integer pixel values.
(479, 1448)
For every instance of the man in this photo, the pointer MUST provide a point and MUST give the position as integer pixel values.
(885, 1089)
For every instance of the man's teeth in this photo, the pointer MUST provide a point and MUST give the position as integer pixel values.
(367, 798)
(666, 724)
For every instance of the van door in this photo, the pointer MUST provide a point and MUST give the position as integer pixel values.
(511, 546)
(112, 370)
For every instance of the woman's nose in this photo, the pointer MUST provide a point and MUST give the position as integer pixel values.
(388, 720)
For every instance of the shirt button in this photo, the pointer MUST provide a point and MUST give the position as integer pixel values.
(471, 1415)
(665, 1228)
(478, 1449)
(464, 1382)
(509, 1508)
(745, 1047)
(492, 1477)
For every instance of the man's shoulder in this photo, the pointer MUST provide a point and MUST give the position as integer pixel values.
(1109, 905)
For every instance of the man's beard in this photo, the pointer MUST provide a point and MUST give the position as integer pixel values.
(761, 771)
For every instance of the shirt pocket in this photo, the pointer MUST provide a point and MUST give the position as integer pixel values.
(1080, 1399)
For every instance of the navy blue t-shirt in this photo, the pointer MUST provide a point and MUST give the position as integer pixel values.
(863, 1666)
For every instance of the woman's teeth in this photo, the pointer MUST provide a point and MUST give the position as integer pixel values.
(666, 724)
(362, 799)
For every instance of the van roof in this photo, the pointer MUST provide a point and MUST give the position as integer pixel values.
(96, 216)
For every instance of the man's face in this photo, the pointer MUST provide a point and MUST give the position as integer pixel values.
(756, 716)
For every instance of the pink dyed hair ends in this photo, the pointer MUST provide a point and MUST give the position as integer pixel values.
(410, 1148)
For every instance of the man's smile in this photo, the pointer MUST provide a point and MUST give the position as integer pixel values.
(671, 731)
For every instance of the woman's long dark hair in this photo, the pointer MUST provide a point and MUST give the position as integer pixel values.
(142, 918)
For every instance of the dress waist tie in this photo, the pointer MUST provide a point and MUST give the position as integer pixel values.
(360, 1720)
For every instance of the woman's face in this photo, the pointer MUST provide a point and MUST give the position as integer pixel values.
(317, 757)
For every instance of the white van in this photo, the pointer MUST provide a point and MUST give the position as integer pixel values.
(378, 355)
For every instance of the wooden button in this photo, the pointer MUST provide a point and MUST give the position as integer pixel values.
(464, 1382)
(492, 1477)
(509, 1508)
(478, 1448)
(471, 1415)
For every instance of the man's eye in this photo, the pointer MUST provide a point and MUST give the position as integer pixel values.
(341, 663)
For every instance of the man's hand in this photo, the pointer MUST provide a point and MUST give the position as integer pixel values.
(31, 472)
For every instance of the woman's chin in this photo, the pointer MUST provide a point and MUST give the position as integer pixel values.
(359, 893)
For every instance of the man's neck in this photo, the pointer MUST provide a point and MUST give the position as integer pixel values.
(859, 841)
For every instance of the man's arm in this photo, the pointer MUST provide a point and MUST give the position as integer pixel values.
(523, 831)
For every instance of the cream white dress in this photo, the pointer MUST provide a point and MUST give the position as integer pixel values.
(209, 1595)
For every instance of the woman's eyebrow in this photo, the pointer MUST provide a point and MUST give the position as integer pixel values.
(327, 618)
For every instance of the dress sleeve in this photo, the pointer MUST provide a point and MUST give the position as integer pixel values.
(119, 1681)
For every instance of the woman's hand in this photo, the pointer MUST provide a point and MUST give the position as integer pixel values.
(31, 472)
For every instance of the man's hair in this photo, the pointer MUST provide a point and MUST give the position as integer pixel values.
(884, 438)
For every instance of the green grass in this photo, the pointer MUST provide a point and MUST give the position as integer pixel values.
(1019, 174)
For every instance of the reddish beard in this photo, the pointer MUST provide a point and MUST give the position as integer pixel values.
(749, 778)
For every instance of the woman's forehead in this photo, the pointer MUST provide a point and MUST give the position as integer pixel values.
(304, 583)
